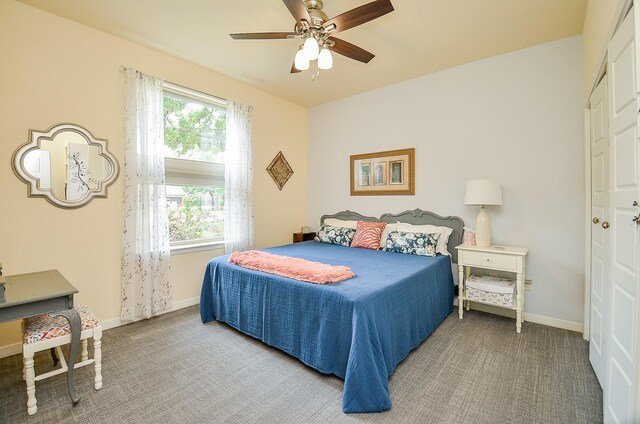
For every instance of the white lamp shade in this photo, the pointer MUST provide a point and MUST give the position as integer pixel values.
(483, 192)
(325, 60)
(311, 48)
(301, 62)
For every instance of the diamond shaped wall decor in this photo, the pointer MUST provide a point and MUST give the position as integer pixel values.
(280, 170)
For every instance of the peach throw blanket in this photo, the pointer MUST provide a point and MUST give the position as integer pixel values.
(286, 266)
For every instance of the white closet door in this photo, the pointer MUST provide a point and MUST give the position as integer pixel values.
(600, 262)
(620, 395)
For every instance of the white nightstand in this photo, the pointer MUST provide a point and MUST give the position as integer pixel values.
(497, 258)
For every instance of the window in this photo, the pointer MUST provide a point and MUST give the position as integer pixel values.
(194, 138)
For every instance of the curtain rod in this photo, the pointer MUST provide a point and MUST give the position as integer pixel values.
(123, 68)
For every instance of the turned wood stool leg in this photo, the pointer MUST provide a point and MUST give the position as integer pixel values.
(97, 355)
(84, 353)
(30, 374)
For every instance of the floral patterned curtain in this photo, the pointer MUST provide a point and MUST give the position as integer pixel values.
(238, 193)
(146, 280)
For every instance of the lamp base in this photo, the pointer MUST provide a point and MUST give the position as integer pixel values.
(483, 229)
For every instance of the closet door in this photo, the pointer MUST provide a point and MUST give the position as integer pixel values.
(600, 261)
(620, 393)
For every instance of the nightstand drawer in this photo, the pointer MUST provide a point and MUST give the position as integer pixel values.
(486, 260)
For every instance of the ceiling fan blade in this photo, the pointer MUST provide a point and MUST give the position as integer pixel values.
(263, 35)
(298, 10)
(351, 50)
(360, 15)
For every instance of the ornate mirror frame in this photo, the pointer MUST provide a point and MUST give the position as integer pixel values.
(33, 184)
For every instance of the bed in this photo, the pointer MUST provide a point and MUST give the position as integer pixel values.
(358, 329)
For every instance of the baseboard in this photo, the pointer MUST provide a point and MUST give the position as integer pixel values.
(117, 322)
(528, 317)
(10, 350)
(16, 348)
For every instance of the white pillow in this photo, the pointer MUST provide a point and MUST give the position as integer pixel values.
(445, 232)
(383, 237)
(341, 223)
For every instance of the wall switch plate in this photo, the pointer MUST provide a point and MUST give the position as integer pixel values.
(528, 285)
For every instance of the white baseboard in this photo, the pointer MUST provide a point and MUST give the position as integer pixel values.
(117, 322)
(9, 350)
(16, 348)
(528, 317)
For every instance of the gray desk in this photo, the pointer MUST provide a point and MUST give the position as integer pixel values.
(37, 293)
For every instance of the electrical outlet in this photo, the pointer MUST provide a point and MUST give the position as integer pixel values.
(528, 285)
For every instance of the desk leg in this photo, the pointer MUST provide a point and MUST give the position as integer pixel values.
(75, 325)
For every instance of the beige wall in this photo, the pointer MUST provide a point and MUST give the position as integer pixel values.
(53, 71)
(599, 23)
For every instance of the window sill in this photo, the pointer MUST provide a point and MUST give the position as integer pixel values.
(197, 247)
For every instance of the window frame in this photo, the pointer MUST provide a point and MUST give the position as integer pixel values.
(194, 172)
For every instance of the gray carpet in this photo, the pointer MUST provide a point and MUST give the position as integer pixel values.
(174, 369)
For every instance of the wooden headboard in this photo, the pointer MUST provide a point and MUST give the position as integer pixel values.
(416, 217)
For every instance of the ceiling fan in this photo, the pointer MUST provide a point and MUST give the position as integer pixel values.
(317, 30)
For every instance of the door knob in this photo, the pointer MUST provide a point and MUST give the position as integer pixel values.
(605, 225)
(595, 220)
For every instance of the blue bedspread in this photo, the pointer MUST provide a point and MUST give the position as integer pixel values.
(358, 329)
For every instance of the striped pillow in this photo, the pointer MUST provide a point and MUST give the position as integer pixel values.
(368, 235)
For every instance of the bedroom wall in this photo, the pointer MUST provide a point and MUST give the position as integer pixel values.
(599, 23)
(517, 118)
(54, 70)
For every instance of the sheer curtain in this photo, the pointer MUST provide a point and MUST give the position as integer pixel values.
(238, 192)
(146, 281)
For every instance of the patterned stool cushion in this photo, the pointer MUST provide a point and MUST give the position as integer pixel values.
(46, 326)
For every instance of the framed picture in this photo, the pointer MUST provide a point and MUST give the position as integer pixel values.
(379, 173)
(364, 174)
(383, 173)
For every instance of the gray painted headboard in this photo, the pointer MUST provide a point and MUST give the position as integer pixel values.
(349, 216)
(416, 217)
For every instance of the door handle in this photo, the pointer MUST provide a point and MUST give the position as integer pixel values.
(595, 219)
(605, 225)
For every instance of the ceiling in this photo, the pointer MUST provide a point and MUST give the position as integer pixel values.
(419, 37)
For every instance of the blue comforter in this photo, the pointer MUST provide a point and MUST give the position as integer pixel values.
(358, 329)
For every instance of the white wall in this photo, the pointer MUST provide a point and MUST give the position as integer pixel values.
(516, 117)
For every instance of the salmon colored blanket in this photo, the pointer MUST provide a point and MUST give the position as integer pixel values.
(286, 266)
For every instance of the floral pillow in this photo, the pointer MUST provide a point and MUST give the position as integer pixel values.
(412, 243)
(335, 235)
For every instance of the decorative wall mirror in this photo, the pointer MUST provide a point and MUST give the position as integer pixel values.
(66, 165)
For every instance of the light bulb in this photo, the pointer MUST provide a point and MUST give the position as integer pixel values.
(325, 59)
(311, 48)
(301, 62)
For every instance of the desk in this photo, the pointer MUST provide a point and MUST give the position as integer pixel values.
(43, 292)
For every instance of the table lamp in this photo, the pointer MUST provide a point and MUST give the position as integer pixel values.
(483, 193)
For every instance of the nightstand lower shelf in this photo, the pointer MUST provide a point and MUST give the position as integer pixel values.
(492, 291)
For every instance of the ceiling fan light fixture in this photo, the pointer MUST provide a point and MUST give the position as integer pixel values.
(301, 62)
(325, 59)
(311, 48)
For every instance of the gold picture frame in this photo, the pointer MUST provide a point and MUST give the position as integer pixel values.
(390, 173)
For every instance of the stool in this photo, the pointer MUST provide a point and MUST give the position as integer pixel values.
(45, 332)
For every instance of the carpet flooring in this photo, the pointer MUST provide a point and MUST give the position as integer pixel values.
(174, 369)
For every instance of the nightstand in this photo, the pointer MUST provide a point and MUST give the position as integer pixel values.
(298, 237)
(494, 258)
